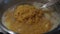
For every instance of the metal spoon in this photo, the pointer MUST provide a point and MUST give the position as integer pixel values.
(51, 2)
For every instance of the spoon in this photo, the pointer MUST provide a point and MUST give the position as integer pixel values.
(42, 6)
(51, 2)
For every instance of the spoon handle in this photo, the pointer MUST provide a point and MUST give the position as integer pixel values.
(51, 2)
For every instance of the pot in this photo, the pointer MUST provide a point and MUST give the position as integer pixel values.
(11, 6)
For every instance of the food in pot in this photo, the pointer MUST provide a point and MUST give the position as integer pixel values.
(26, 19)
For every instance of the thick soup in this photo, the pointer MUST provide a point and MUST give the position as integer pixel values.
(26, 19)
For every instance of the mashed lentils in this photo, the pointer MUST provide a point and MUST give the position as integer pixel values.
(26, 19)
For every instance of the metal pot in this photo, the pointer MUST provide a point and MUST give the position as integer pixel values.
(11, 5)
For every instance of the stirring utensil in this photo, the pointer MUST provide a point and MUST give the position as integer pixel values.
(51, 2)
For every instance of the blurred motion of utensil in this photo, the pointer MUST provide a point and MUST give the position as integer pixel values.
(51, 2)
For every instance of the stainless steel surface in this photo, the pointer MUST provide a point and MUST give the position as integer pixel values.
(6, 30)
(9, 4)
